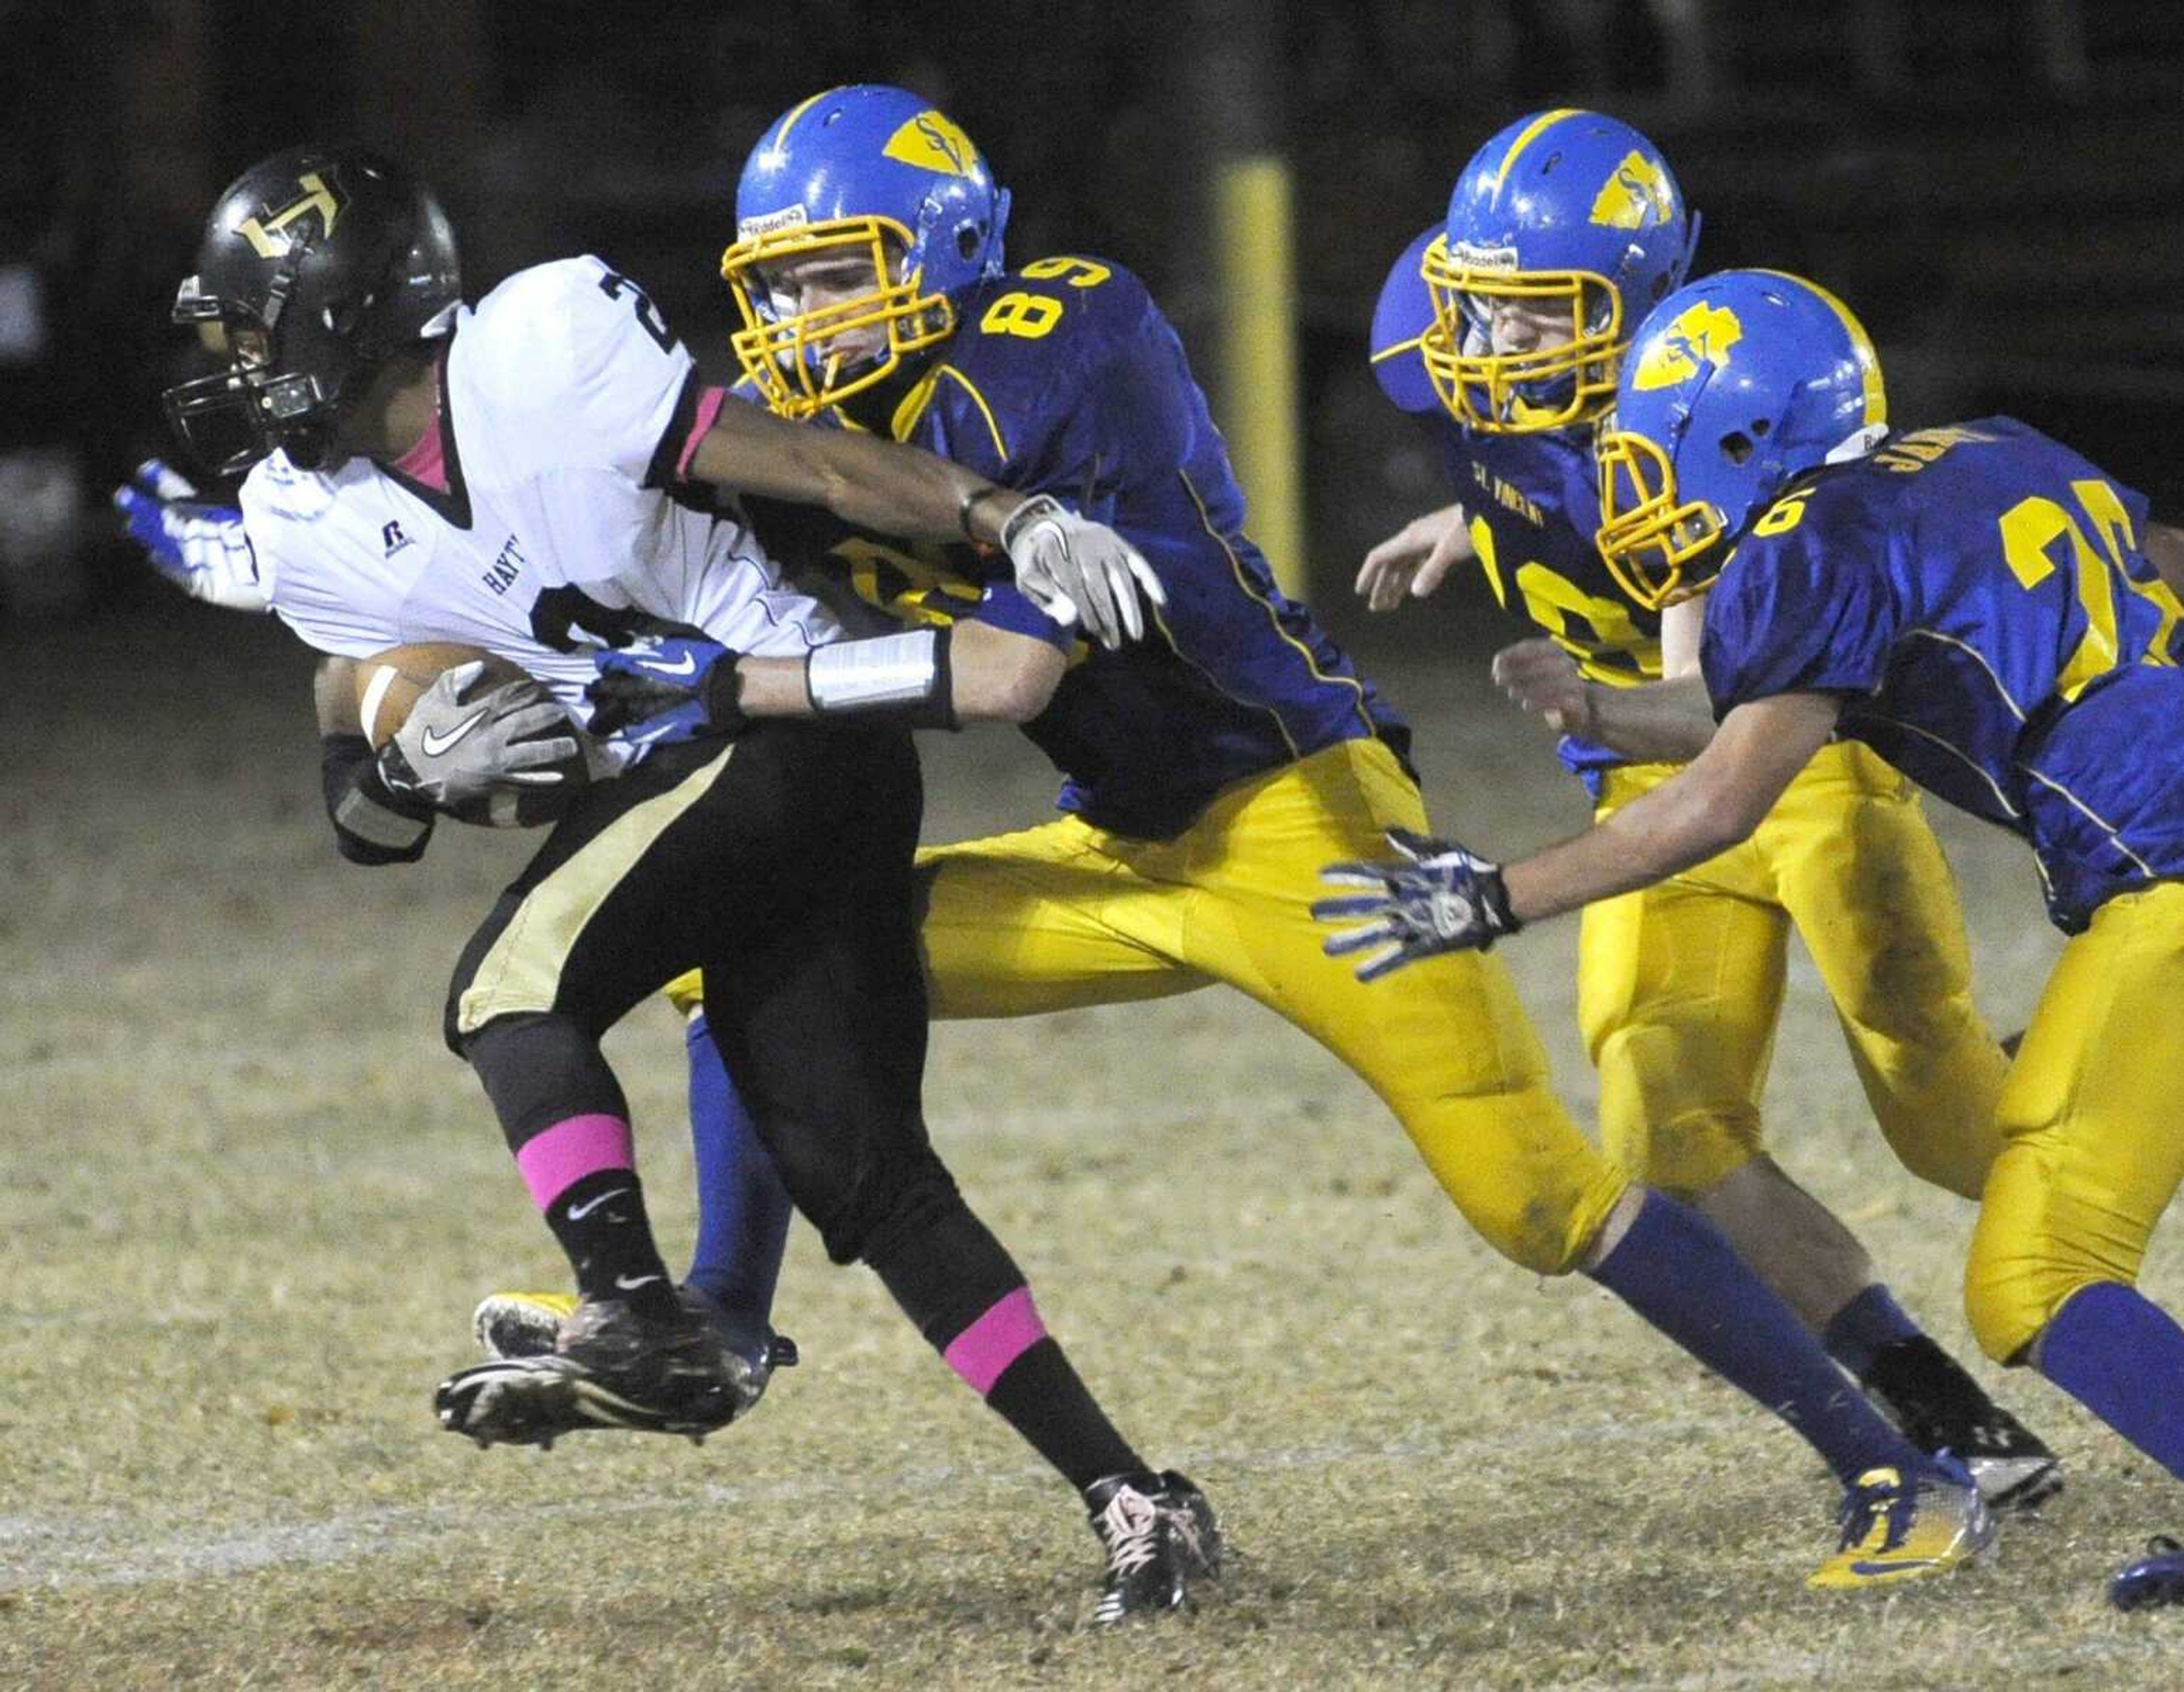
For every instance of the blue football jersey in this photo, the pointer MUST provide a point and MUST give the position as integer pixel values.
(1979, 597)
(1064, 377)
(1532, 503)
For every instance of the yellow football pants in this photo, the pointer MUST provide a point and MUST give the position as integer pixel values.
(1679, 985)
(2094, 1142)
(1066, 915)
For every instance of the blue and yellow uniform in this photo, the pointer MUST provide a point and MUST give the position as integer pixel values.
(1978, 597)
(1210, 771)
(1680, 984)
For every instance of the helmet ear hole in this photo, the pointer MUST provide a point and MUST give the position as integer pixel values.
(967, 238)
(1736, 447)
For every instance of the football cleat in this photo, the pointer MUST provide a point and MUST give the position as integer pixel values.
(2157, 1577)
(1160, 1535)
(1941, 1408)
(1896, 1529)
(614, 1368)
(508, 1325)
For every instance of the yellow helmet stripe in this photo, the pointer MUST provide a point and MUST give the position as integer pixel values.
(789, 123)
(1868, 361)
(1531, 133)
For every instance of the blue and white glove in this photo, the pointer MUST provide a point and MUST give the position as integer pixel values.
(661, 688)
(1436, 898)
(199, 547)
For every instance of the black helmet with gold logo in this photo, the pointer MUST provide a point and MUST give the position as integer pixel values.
(318, 265)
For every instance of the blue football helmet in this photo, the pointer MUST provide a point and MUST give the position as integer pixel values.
(1733, 385)
(873, 175)
(1572, 221)
(1401, 318)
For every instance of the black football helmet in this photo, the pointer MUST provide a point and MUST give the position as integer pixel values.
(318, 264)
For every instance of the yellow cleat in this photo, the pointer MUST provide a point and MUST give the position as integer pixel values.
(511, 1325)
(1896, 1530)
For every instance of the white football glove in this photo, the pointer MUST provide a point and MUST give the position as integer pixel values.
(1076, 570)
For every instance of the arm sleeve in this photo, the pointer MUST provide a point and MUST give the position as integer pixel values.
(1808, 611)
(372, 824)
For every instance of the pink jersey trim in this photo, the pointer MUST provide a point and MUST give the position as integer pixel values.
(555, 1160)
(981, 1353)
(709, 409)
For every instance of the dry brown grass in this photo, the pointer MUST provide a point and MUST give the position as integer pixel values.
(248, 1200)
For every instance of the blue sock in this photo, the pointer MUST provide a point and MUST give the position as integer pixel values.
(2120, 1354)
(742, 1208)
(1866, 1327)
(1676, 1270)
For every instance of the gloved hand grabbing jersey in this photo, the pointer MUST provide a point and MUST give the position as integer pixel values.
(677, 685)
(1436, 898)
(1074, 569)
(197, 546)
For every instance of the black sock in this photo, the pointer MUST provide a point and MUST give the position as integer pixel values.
(953, 1278)
(1042, 1398)
(1925, 1389)
(601, 1223)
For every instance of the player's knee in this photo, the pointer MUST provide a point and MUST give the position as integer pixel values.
(1687, 1152)
(2012, 1293)
(862, 1204)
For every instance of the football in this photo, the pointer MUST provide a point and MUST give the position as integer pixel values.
(389, 684)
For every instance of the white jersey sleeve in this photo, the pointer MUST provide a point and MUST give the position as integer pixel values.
(576, 357)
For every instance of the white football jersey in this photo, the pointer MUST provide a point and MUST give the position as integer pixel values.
(563, 396)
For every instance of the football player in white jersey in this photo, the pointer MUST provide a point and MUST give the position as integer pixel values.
(532, 477)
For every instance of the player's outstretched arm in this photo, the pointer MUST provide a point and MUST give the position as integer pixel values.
(1656, 722)
(1074, 570)
(1703, 810)
(1437, 897)
(1415, 560)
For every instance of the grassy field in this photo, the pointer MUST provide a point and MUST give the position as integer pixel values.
(248, 1201)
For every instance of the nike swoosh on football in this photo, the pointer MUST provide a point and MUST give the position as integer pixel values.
(435, 744)
(578, 1212)
(687, 665)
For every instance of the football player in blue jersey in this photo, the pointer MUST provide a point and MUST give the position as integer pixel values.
(1207, 770)
(1503, 328)
(1976, 603)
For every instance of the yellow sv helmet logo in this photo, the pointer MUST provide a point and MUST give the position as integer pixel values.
(1701, 335)
(317, 197)
(1637, 187)
(930, 143)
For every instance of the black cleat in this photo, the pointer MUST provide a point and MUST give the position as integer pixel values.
(614, 1369)
(1160, 1535)
(1941, 1408)
(512, 1325)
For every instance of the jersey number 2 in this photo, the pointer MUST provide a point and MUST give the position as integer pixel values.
(616, 286)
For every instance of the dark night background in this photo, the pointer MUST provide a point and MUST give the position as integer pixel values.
(1994, 185)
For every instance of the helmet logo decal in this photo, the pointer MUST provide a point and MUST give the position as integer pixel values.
(788, 217)
(1701, 336)
(1637, 187)
(930, 143)
(259, 231)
